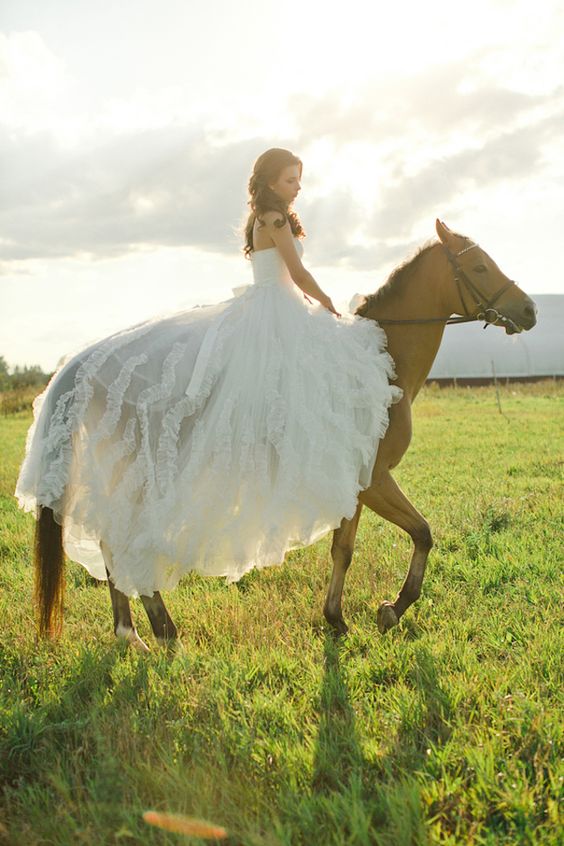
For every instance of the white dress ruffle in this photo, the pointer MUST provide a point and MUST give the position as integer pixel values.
(215, 439)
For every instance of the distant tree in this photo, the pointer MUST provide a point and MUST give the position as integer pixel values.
(27, 377)
(21, 377)
(4, 375)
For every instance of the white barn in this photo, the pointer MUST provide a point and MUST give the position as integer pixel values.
(470, 352)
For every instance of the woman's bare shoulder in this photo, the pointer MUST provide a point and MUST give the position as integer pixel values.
(273, 218)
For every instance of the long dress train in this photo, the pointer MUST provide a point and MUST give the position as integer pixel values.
(214, 439)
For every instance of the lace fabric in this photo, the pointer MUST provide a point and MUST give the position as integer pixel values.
(215, 439)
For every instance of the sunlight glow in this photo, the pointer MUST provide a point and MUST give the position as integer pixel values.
(400, 112)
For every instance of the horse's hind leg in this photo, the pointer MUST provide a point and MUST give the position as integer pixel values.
(387, 499)
(123, 622)
(161, 623)
(341, 553)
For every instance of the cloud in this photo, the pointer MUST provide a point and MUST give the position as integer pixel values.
(171, 187)
(160, 187)
(34, 86)
(511, 156)
(444, 99)
(435, 137)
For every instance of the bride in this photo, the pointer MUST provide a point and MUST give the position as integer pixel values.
(218, 438)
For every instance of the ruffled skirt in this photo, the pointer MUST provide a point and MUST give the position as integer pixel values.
(214, 439)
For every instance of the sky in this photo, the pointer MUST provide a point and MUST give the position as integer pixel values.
(128, 132)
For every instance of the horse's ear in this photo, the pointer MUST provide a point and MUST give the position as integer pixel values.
(443, 231)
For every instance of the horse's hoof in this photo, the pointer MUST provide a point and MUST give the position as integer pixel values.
(132, 639)
(139, 645)
(172, 645)
(386, 617)
(337, 623)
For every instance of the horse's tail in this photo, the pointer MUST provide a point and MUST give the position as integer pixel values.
(49, 573)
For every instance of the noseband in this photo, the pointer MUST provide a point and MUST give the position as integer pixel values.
(484, 307)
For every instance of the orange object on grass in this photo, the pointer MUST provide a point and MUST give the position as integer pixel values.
(185, 825)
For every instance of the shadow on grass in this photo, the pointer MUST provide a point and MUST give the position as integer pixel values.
(338, 755)
(366, 799)
(351, 797)
(53, 712)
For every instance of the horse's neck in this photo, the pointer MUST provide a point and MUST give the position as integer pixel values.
(413, 347)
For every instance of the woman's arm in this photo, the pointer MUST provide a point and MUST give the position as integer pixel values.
(281, 234)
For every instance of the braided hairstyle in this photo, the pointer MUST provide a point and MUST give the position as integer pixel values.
(267, 169)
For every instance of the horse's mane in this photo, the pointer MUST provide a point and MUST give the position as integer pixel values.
(397, 281)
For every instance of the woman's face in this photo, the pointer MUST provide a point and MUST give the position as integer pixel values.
(288, 183)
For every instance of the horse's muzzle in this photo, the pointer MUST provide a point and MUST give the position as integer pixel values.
(522, 314)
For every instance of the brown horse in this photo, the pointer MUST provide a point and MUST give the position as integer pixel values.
(452, 276)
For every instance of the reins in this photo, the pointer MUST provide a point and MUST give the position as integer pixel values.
(484, 307)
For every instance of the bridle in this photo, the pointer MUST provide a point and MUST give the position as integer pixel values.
(484, 307)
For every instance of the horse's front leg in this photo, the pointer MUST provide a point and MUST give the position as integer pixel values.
(341, 553)
(123, 621)
(386, 498)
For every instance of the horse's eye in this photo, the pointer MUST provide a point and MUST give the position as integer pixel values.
(481, 268)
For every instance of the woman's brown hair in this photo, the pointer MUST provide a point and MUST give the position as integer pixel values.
(266, 170)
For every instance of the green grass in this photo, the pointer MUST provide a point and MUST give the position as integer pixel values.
(447, 730)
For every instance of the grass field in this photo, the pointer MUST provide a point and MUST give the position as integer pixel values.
(446, 730)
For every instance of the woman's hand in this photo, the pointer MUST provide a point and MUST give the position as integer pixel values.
(326, 303)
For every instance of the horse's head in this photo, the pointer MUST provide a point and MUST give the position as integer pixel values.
(483, 290)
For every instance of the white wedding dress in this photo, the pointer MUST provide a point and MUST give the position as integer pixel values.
(215, 439)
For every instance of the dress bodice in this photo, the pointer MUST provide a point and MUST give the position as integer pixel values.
(269, 268)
